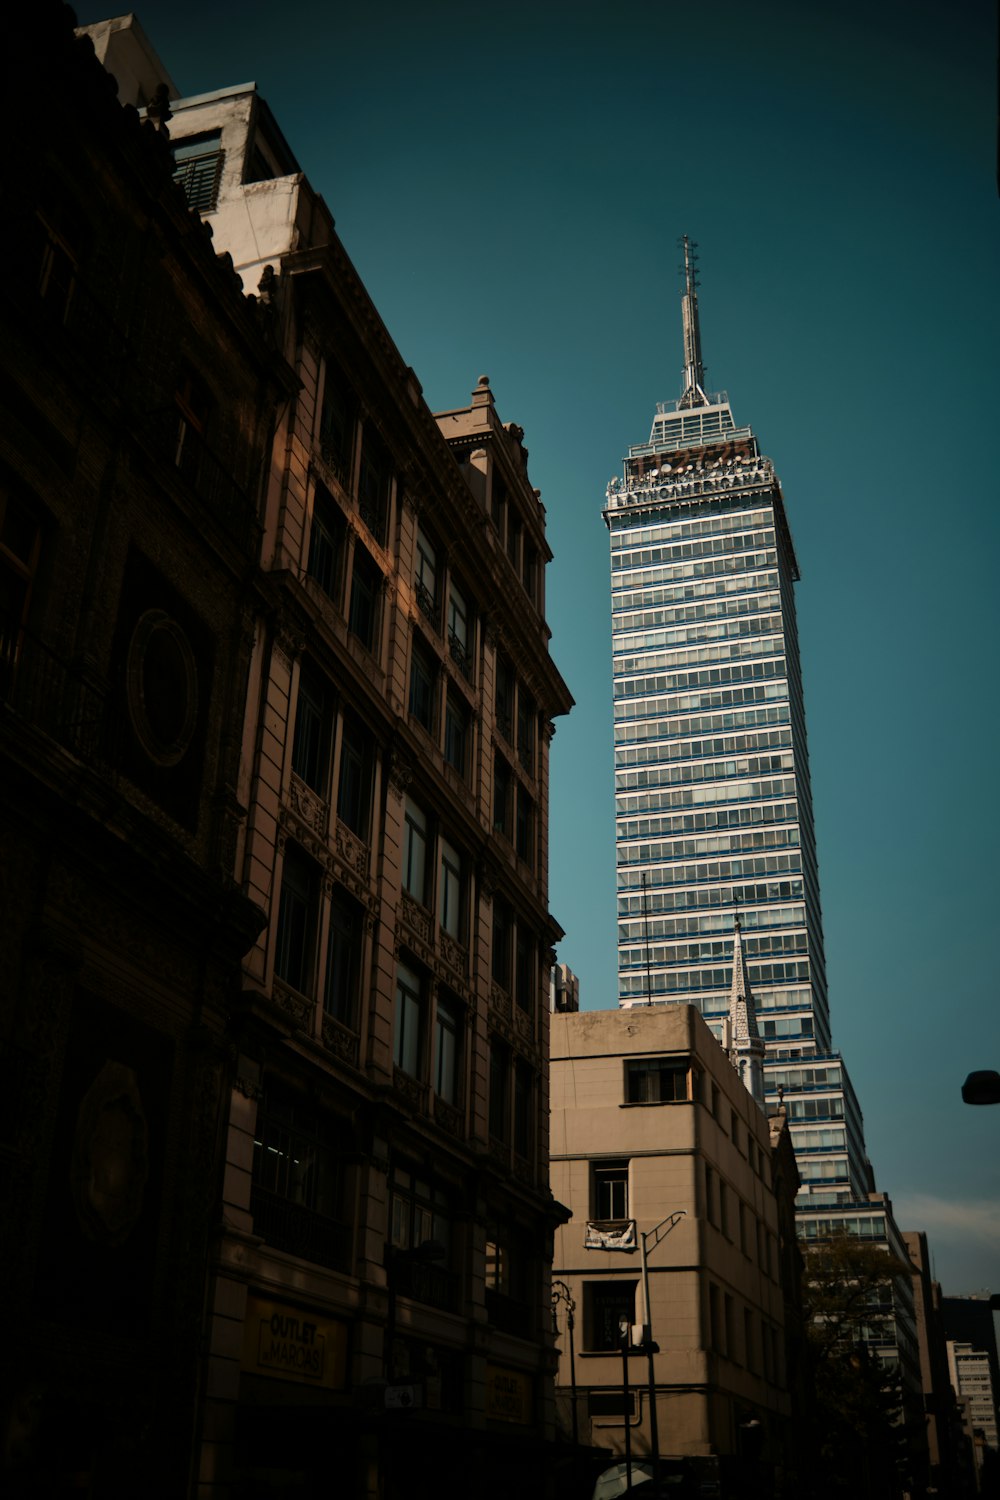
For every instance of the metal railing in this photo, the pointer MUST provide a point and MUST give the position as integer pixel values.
(301, 1231)
(45, 690)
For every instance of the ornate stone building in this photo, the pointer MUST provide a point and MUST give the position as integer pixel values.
(379, 1296)
(139, 386)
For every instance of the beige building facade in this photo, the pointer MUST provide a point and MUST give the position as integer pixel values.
(661, 1154)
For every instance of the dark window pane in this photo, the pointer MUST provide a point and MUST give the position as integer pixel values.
(366, 593)
(313, 722)
(343, 960)
(326, 543)
(354, 790)
(295, 943)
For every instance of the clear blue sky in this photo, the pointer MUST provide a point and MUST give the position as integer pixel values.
(511, 182)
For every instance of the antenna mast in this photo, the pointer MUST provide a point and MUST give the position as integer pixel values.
(694, 369)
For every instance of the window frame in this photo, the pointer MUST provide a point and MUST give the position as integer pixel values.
(408, 1032)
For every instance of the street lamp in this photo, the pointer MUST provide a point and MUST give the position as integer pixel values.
(982, 1088)
(562, 1293)
(659, 1232)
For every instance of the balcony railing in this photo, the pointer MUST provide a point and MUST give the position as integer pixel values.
(45, 690)
(508, 1315)
(425, 1282)
(460, 654)
(426, 601)
(301, 1231)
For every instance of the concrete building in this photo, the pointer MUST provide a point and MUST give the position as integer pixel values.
(973, 1383)
(139, 389)
(664, 1157)
(379, 1290)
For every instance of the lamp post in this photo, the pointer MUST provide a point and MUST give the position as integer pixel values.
(625, 1337)
(656, 1234)
(562, 1293)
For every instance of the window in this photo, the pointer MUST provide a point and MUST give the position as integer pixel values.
(198, 169)
(606, 1304)
(298, 1194)
(524, 1097)
(529, 571)
(53, 258)
(192, 401)
(456, 734)
(715, 1329)
(498, 502)
(458, 631)
(343, 960)
(415, 852)
(313, 725)
(749, 1350)
(499, 1109)
(524, 969)
(295, 943)
(503, 925)
(510, 1276)
(450, 891)
(337, 419)
(423, 673)
(425, 581)
(503, 796)
(610, 1190)
(366, 594)
(504, 698)
(711, 1204)
(408, 1039)
(514, 540)
(656, 1080)
(420, 1214)
(327, 537)
(373, 484)
(524, 828)
(20, 544)
(526, 729)
(355, 787)
(448, 1050)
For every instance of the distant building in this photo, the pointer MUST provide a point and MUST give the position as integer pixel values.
(565, 989)
(379, 1288)
(973, 1384)
(654, 1135)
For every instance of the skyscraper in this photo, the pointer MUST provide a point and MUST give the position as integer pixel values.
(716, 852)
(714, 817)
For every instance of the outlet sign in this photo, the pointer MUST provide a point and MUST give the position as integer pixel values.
(290, 1343)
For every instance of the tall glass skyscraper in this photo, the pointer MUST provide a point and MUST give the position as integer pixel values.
(713, 804)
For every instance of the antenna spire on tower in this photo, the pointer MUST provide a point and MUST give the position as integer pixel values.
(694, 369)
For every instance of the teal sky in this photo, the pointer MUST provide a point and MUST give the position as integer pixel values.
(510, 182)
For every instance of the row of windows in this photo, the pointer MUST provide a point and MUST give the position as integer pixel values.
(345, 570)
(757, 628)
(663, 682)
(728, 896)
(806, 1078)
(693, 980)
(656, 763)
(774, 945)
(721, 869)
(764, 838)
(624, 535)
(753, 587)
(428, 1035)
(751, 646)
(695, 822)
(706, 794)
(666, 729)
(689, 926)
(741, 565)
(665, 551)
(647, 708)
(721, 608)
(706, 771)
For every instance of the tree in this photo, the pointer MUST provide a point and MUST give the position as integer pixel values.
(858, 1436)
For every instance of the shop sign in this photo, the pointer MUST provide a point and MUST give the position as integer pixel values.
(508, 1395)
(289, 1343)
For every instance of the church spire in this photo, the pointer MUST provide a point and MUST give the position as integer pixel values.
(694, 370)
(746, 1045)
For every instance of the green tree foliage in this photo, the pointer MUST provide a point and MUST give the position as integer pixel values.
(858, 1442)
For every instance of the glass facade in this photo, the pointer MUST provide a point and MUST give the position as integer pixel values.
(712, 796)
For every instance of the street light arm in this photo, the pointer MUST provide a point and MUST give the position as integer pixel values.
(661, 1230)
